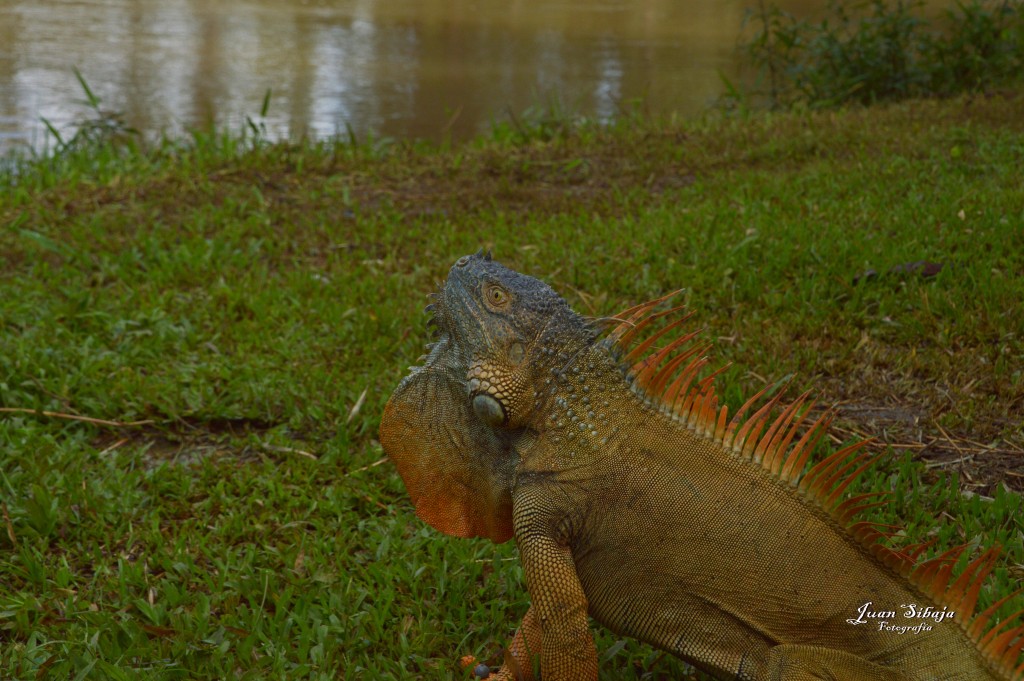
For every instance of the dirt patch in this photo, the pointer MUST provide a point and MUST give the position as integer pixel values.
(982, 467)
(186, 442)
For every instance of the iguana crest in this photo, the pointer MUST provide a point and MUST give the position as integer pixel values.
(668, 378)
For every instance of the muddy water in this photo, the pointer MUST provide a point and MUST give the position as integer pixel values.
(401, 68)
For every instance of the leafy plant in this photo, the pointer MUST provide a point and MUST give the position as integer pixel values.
(101, 127)
(882, 50)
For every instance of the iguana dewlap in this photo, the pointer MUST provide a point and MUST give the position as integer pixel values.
(635, 499)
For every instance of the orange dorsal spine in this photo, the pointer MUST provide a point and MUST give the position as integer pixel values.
(668, 378)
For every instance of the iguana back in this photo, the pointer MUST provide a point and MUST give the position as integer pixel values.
(634, 498)
(719, 565)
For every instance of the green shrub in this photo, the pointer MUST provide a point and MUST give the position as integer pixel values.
(866, 52)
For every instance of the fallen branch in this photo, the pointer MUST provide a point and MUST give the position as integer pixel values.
(289, 450)
(74, 417)
(357, 407)
(367, 467)
(949, 439)
(952, 462)
(946, 443)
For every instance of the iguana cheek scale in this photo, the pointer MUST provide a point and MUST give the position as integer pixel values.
(635, 499)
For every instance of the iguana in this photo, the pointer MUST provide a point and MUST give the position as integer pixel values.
(635, 499)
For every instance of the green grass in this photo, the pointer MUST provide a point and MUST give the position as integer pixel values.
(238, 299)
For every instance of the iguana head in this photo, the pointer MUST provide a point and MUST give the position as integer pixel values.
(452, 425)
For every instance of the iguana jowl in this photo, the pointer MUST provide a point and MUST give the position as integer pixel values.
(635, 499)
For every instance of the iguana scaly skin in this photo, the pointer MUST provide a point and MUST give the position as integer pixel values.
(634, 499)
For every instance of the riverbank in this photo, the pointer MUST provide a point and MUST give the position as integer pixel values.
(232, 316)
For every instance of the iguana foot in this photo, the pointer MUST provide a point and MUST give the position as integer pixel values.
(521, 657)
(482, 671)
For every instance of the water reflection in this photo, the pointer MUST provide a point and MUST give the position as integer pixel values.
(403, 68)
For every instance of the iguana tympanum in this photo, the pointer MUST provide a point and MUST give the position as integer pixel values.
(635, 499)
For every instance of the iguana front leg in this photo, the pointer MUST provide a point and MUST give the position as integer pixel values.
(557, 618)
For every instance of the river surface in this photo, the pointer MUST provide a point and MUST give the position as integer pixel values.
(398, 68)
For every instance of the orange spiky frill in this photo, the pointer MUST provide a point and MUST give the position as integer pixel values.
(668, 377)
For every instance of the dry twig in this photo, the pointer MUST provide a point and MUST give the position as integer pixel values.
(73, 417)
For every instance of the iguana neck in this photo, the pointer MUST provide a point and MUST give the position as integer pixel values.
(583, 397)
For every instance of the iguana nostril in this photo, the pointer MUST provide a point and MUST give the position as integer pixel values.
(489, 410)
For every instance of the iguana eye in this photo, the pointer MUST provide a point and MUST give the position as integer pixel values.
(496, 296)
